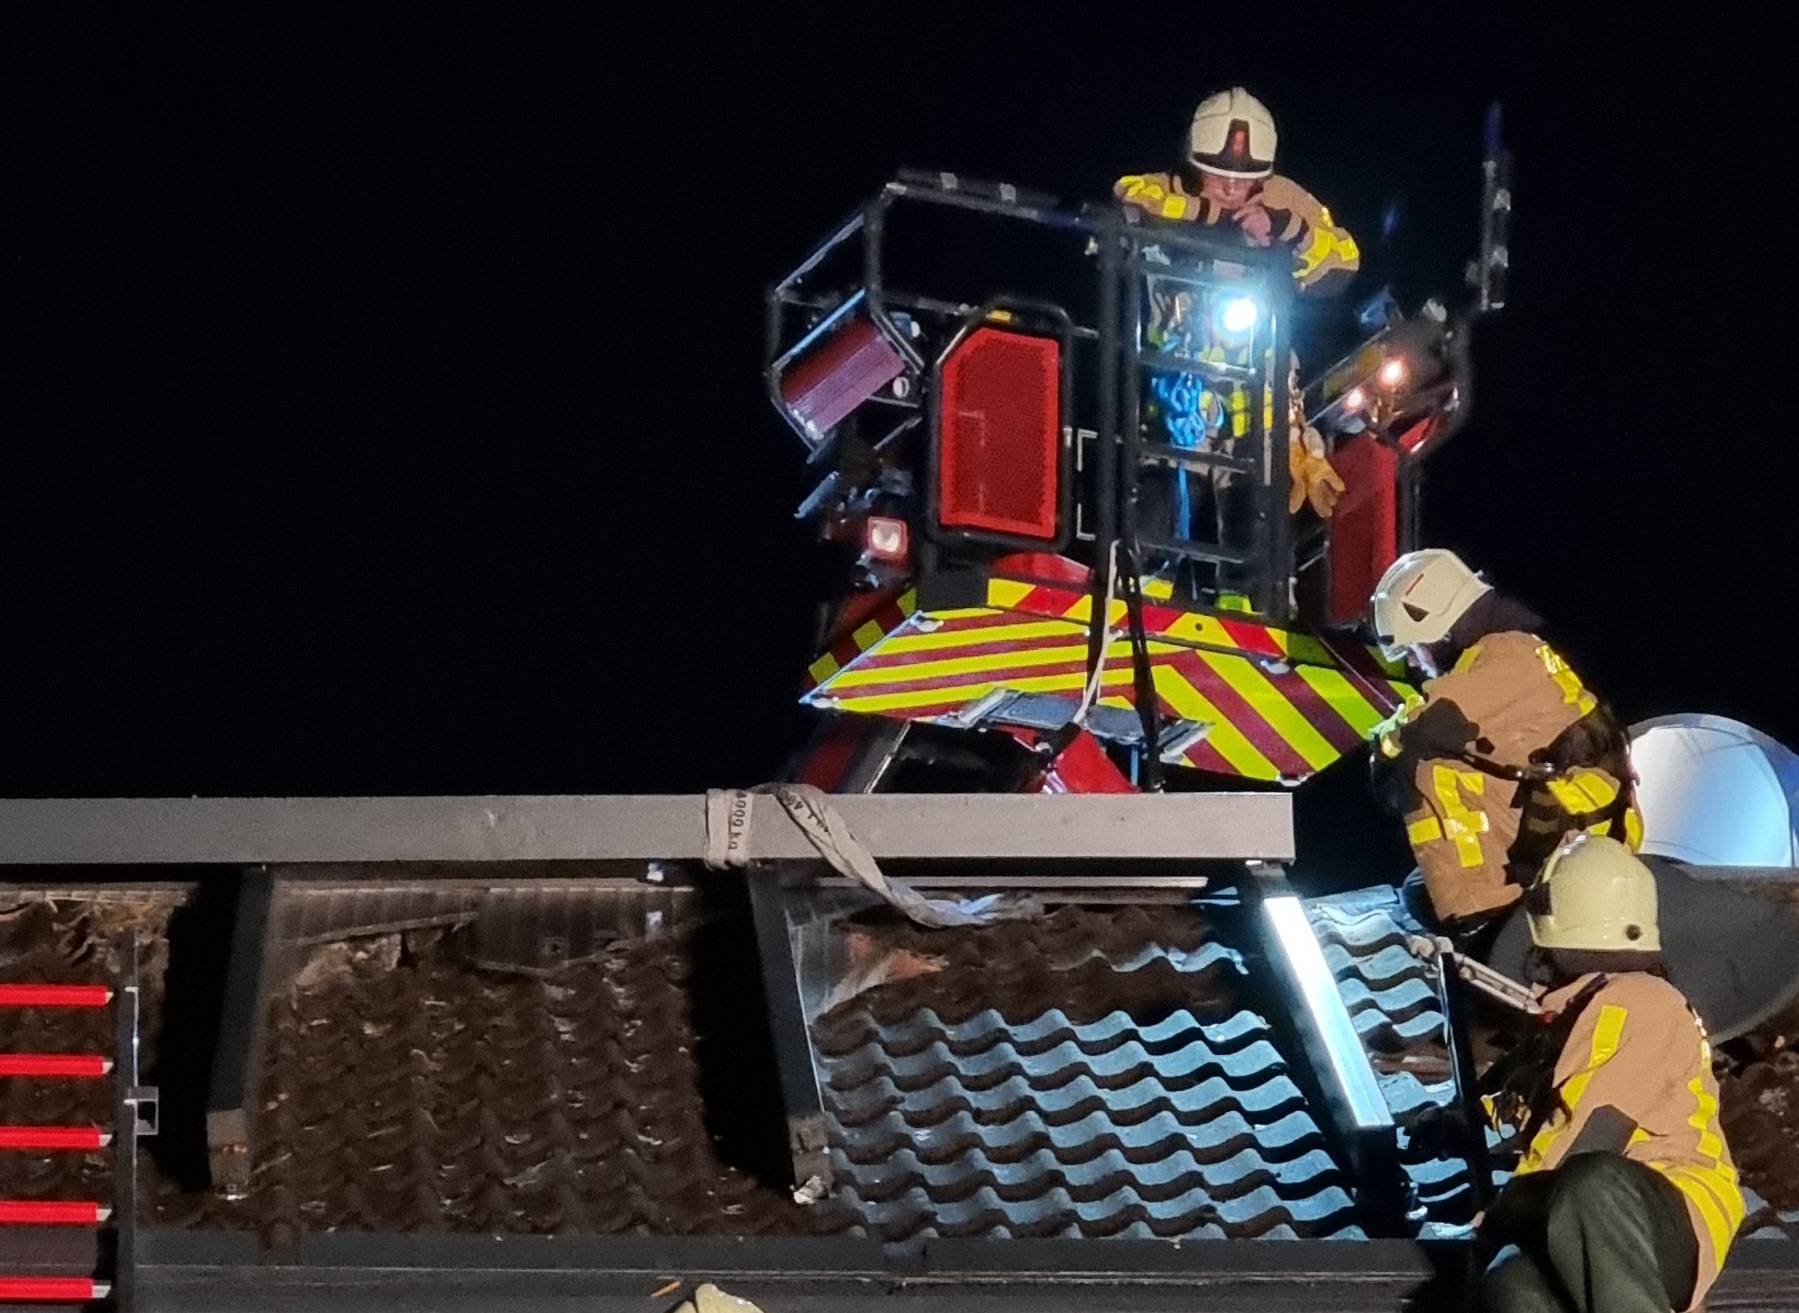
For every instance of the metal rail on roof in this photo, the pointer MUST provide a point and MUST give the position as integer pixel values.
(268, 831)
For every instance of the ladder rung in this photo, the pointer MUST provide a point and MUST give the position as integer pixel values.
(54, 1137)
(1168, 362)
(1195, 551)
(54, 996)
(52, 1290)
(1166, 453)
(51, 1212)
(77, 1066)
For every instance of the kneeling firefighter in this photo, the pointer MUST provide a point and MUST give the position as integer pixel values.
(1508, 752)
(1626, 1198)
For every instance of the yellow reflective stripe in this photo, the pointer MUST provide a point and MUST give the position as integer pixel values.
(959, 613)
(1424, 831)
(823, 668)
(1633, 829)
(1467, 658)
(966, 693)
(1342, 697)
(867, 635)
(1271, 705)
(1082, 610)
(1198, 628)
(936, 640)
(984, 663)
(1584, 791)
(1315, 251)
(1718, 1199)
(1607, 1033)
(1574, 693)
(1174, 206)
(908, 602)
(1007, 592)
(1305, 648)
(1229, 742)
(1161, 589)
(1567, 795)
(1705, 1111)
(1460, 822)
(1408, 696)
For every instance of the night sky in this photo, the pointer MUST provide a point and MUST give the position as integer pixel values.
(383, 411)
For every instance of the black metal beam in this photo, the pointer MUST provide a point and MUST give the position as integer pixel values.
(231, 1094)
(1454, 1000)
(219, 1270)
(129, 1123)
(789, 1024)
(1106, 452)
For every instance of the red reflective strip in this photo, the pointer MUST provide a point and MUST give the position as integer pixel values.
(54, 996)
(1049, 603)
(1203, 756)
(1251, 638)
(74, 1065)
(43, 1212)
(845, 652)
(52, 1290)
(52, 1137)
(1045, 567)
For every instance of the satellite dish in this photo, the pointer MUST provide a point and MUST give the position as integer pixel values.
(1715, 792)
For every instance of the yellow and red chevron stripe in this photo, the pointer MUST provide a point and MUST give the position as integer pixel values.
(864, 636)
(1279, 704)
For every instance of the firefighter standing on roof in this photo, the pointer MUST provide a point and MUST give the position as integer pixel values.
(1507, 754)
(1229, 179)
(1626, 1198)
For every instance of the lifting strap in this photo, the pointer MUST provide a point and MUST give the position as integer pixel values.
(728, 814)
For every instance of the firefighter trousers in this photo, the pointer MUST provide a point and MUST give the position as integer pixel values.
(1599, 1234)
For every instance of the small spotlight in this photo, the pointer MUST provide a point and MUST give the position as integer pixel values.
(1392, 374)
(885, 539)
(1354, 400)
(1239, 315)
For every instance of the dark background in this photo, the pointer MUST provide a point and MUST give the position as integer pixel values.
(382, 410)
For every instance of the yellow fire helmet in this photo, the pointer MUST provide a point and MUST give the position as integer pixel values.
(1594, 893)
